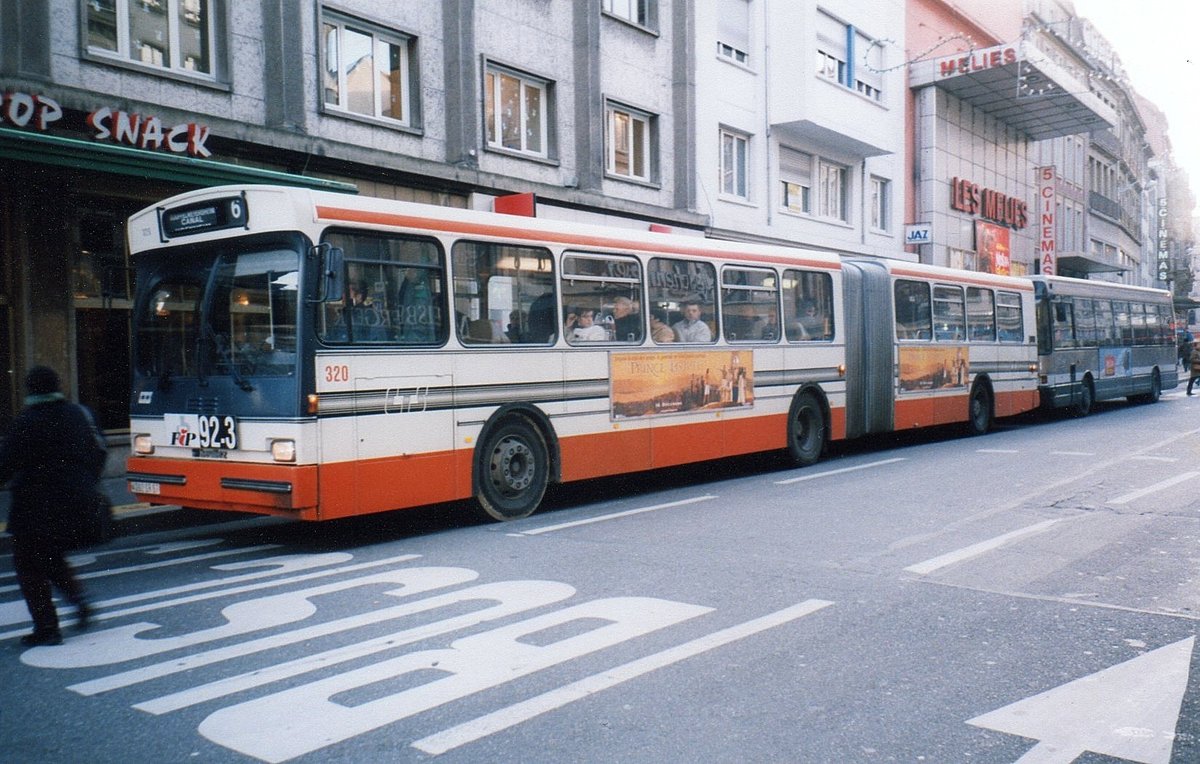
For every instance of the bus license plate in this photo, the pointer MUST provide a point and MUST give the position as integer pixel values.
(206, 431)
(141, 486)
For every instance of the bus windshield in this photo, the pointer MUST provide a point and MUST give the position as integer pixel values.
(239, 321)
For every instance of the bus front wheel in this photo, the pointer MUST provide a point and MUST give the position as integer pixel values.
(512, 469)
(806, 430)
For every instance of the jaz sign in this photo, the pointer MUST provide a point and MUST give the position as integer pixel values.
(141, 131)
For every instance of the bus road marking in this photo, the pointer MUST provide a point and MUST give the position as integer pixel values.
(488, 724)
(826, 473)
(1159, 486)
(966, 553)
(613, 516)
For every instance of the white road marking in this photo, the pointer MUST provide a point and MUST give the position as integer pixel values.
(827, 473)
(1155, 459)
(1128, 711)
(997, 451)
(508, 597)
(285, 562)
(614, 516)
(966, 553)
(1072, 453)
(1159, 486)
(488, 724)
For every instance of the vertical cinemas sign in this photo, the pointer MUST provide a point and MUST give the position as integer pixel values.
(1047, 247)
(39, 112)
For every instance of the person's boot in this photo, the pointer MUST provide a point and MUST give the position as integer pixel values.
(41, 637)
(83, 615)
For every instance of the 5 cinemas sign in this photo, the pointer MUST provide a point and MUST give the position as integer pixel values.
(988, 203)
(143, 131)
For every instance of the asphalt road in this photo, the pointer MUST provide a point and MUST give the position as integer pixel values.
(1029, 596)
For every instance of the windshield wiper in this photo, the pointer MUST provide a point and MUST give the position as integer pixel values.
(221, 344)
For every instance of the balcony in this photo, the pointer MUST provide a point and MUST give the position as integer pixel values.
(1104, 206)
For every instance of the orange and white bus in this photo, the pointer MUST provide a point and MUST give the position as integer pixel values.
(321, 355)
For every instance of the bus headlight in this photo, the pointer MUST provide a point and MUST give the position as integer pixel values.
(283, 450)
(142, 445)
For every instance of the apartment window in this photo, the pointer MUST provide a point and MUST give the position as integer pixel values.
(831, 202)
(733, 30)
(366, 70)
(516, 112)
(734, 153)
(177, 35)
(848, 57)
(628, 142)
(795, 175)
(881, 204)
(636, 11)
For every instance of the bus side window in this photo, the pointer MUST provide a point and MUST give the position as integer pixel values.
(981, 315)
(686, 289)
(503, 294)
(913, 318)
(1010, 320)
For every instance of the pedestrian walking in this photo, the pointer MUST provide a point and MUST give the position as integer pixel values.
(53, 457)
(1194, 360)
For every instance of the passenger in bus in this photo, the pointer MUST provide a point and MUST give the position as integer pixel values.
(366, 319)
(627, 321)
(541, 320)
(1194, 360)
(690, 328)
(581, 327)
(763, 327)
(414, 307)
(810, 322)
(660, 331)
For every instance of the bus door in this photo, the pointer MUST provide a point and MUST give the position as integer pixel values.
(404, 440)
(870, 348)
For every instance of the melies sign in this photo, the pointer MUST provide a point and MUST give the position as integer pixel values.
(144, 132)
(988, 203)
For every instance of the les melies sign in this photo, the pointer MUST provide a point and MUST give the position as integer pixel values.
(988, 203)
(39, 112)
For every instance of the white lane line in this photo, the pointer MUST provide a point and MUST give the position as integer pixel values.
(966, 553)
(1159, 486)
(1072, 453)
(997, 451)
(614, 516)
(826, 473)
(470, 731)
(1155, 458)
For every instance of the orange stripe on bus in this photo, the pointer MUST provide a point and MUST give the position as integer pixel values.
(526, 234)
(203, 478)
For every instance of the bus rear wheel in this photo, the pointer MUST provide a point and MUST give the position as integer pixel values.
(512, 468)
(979, 413)
(806, 430)
(1087, 397)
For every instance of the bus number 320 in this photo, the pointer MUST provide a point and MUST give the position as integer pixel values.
(337, 373)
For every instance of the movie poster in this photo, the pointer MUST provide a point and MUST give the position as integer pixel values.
(992, 242)
(672, 382)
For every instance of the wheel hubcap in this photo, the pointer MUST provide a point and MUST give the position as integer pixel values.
(512, 466)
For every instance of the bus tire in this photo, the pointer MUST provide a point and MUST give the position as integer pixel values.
(979, 409)
(512, 469)
(1087, 397)
(806, 430)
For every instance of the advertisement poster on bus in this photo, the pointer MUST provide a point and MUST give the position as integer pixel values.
(673, 382)
(932, 368)
(992, 242)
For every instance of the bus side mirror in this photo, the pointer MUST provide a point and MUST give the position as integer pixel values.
(331, 261)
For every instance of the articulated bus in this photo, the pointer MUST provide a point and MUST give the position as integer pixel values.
(320, 355)
(1099, 340)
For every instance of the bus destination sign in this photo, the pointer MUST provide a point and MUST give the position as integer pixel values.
(212, 215)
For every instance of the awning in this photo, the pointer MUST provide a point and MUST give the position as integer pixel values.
(1021, 86)
(827, 139)
(1083, 262)
(25, 146)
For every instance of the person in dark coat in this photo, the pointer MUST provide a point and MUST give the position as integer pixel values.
(53, 457)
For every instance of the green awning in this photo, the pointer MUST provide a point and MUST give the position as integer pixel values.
(79, 154)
